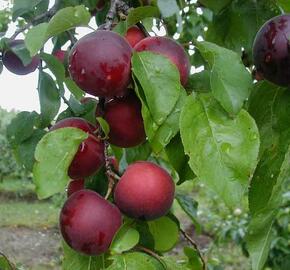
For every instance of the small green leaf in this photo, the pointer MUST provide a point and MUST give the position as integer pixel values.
(21, 51)
(167, 7)
(194, 261)
(140, 13)
(49, 98)
(21, 127)
(5, 264)
(74, 89)
(229, 80)
(162, 99)
(21, 7)
(189, 206)
(54, 153)
(75, 260)
(223, 151)
(214, 5)
(104, 125)
(125, 239)
(165, 233)
(55, 66)
(134, 261)
(65, 19)
(25, 150)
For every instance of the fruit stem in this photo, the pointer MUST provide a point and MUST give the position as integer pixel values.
(42, 17)
(194, 244)
(143, 29)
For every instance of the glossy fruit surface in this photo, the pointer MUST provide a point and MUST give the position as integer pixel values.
(169, 48)
(100, 64)
(74, 186)
(14, 64)
(125, 120)
(145, 191)
(271, 50)
(88, 222)
(90, 156)
(134, 35)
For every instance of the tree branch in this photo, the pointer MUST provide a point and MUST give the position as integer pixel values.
(194, 244)
(40, 18)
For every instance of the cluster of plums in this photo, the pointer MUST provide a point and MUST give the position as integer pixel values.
(100, 64)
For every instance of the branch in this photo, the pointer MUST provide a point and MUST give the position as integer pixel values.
(194, 244)
(42, 17)
(143, 29)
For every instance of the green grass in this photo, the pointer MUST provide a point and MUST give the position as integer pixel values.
(32, 215)
(16, 186)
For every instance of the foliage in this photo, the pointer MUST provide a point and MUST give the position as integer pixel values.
(223, 128)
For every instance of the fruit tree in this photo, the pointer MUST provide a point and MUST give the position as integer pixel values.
(162, 92)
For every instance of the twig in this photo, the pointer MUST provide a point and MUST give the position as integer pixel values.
(143, 29)
(152, 253)
(42, 17)
(194, 244)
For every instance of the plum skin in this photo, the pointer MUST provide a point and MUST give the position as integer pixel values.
(134, 35)
(145, 191)
(100, 64)
(14, 64)
(271, 50)
(60, 55)
(125, 120)
(169, 48)
(88, 222)
(90, 155)
(74, 186)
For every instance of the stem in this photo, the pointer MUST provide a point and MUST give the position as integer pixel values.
(151, 253)
(143, 29)
(194, 244)
(42, 17)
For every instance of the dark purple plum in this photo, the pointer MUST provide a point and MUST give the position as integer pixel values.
(134, 35)
(88, 222)
(125, 120)
(14, 64)
(271, 50)
(74, 186)
(100, 64)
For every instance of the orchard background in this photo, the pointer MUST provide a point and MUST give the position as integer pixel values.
(223, 137)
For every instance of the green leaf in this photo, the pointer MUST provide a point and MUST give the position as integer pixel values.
(140, 13)
(194, 261)
(21, 7)
(21, 127)
(4, 263)
(74, 89)
(237, 25)
(223, 152)
(54, 154)
(269, 105)
(163, 97)
(75, 260)
(146, 238)
(165, 233)
(172, 264)
(285, 5)
(134, 261)
(21, 51)
(98, 182)
(229, 80)
(125, 239)
(259, 235)
(65, 19)
(49, 98)
(55, 66)
(177, 158)
(189, 206)
(167, 7)
(25, 150)
(1, 67)
(104, 125)
(214, 5)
